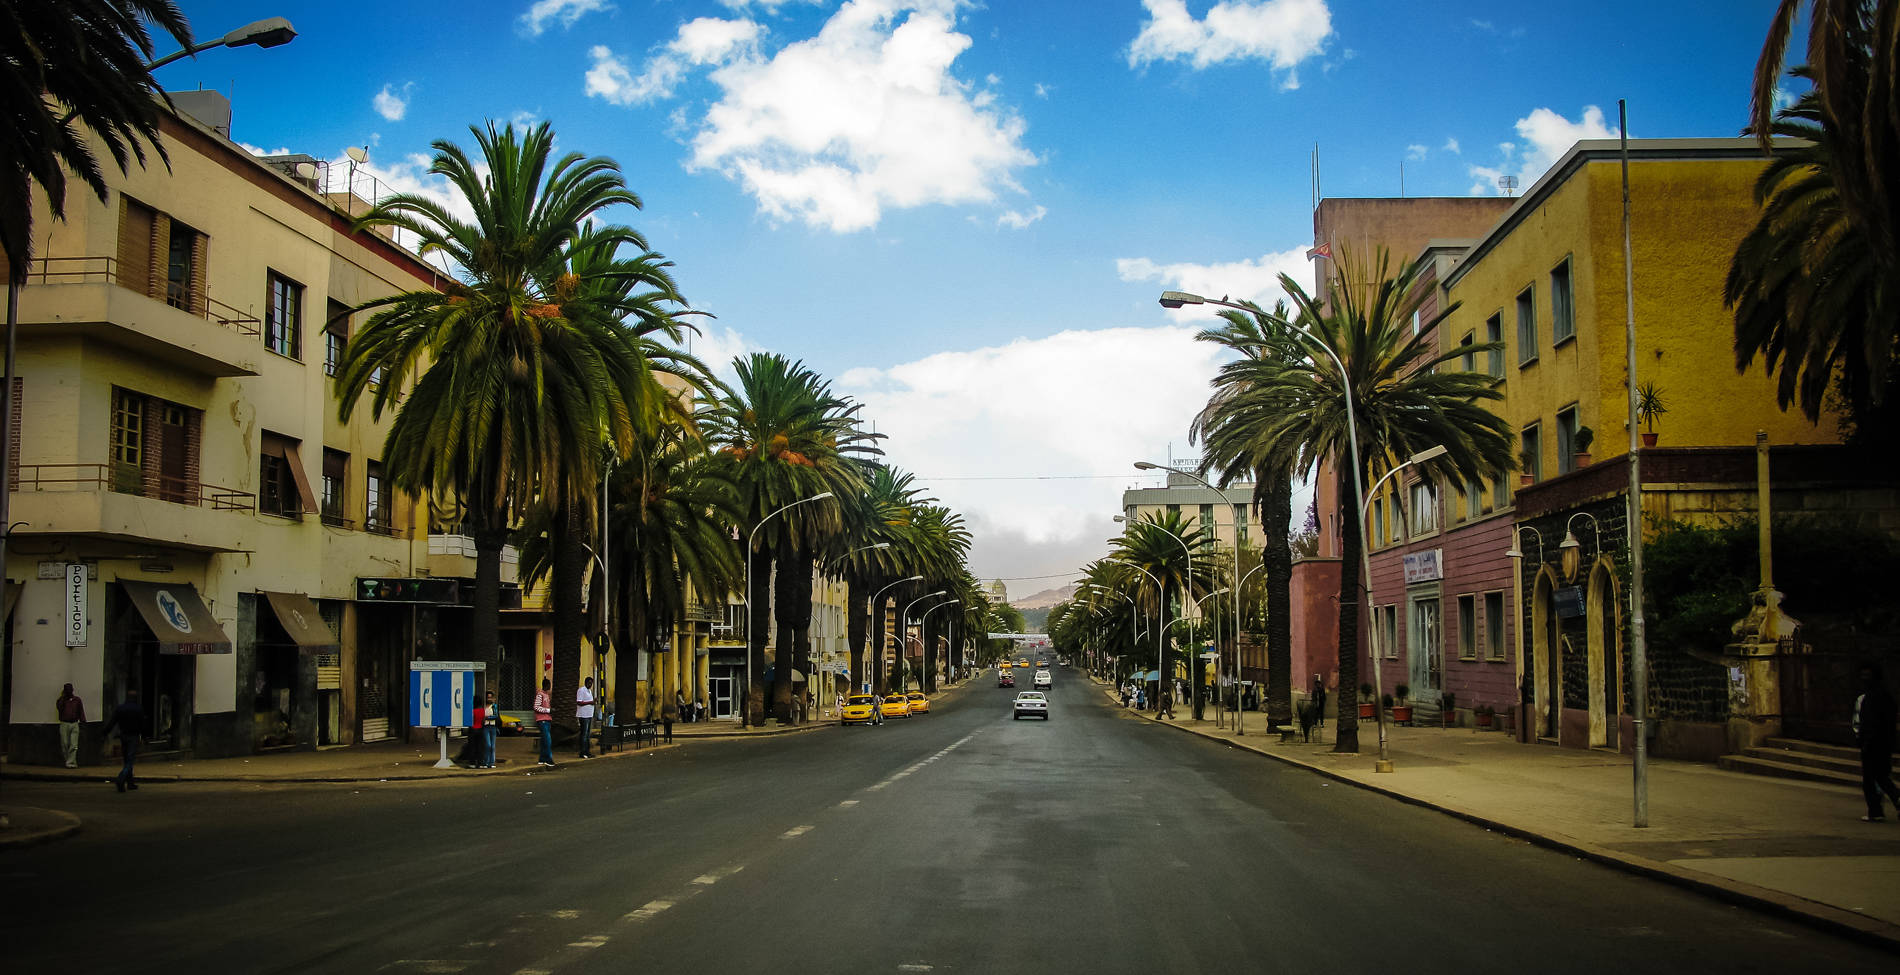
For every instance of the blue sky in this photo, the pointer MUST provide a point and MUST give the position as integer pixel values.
(963, 212)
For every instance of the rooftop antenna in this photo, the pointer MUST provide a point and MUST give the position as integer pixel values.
(1401, 179)
(1508, 184)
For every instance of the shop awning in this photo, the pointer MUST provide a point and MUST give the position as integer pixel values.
(13, 596)
(300, 618)
(178, 618)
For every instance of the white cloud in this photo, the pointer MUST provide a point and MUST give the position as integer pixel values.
(1546, 136)
(701, 41)
(261, 151)
(1281, 32)
(1017, 220)
(1042, 90)
(1451, 146)
(1257, 281)
(867, 115)
(717, 346)
(392, 103)
(566, 12)
(1415, 151)
(768, 6)
(1077, 402)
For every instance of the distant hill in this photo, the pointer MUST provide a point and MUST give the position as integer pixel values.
(1044, 599)
(1035, 620)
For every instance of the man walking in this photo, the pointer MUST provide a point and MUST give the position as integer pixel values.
(584, 712)
(72, 714)
(129, 719)
(1873, 729)
(544, 720)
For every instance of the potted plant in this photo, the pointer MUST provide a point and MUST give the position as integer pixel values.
(1448, 709)
(1365, 702)
(1507, 719)
(1483, 714)
(1649, 406)
(1402, 711)
(1582, 440)
(1524, 462)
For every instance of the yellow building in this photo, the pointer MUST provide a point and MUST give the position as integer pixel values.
(245, 562)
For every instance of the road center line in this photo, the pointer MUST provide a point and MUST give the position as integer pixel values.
(795, 832)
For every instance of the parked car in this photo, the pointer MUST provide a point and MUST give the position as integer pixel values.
(860, 709)
(895, 706)
(1043, 680)
(1030, 704)
(919, 704)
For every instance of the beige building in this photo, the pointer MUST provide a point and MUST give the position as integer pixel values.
(240, 556)
(1214, 509)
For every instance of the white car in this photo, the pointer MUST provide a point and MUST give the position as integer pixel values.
(1030, 704)
(1043, 680)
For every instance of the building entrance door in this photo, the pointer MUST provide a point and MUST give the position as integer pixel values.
(1428, 653)
(721, 691)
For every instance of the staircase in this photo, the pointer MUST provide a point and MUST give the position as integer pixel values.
(1792, 758)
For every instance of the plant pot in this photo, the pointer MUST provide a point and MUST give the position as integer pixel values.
(1366, 710)
(1649, 440)
(1449, 717)
(1402, 713)
(1583, 459)
(1484, 721)
(1525, 480)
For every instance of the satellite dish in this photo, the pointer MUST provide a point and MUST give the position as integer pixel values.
(357, 154)
(307, 170)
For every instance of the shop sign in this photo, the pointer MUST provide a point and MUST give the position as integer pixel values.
(1423, 566)
(409, 590)
(1569, 602)
(75, 604)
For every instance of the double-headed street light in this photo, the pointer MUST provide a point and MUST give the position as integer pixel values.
(745, 688)
(1161, 610)
(1240, 714)
(877, 601)
(1384, 763)
(929, 652)
(903, 620)
(1240, 519)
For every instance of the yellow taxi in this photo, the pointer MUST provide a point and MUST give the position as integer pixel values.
(919, 704)
(1023, 662)
(895, 706)
(1042, 663)
(859, 709)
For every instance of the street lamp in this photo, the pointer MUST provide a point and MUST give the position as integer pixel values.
(1240, 714)
(903, 621)
(1187, 584)
(1133, 609)
(861, 548)
(269, 32)
(1161, 610)
(1571, 552)
(877, 601)
(1384, 764)
(745, 674)
(1239, 520)
(929, 655)
(1526, 697)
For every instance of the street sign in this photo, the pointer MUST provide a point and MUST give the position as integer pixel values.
(442, 692)
(75, 604)
(1425, 566)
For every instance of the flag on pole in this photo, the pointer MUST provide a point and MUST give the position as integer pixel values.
(1324, 250)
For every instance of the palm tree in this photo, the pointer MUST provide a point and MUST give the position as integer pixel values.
(784, 437)
(879, 515)
(1226, 426)
(69, 66)
(1404, 394)
(526, 371)
(1161, 544)
(938, 547)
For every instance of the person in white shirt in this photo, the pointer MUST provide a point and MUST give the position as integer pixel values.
(584, 712)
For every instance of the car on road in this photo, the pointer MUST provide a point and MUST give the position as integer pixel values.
(860, 709)
(919, 704)
(1042, 663)
(1043, 680)
(1023, 663)
(1030, 704)
(895, 706)
(1005, 679)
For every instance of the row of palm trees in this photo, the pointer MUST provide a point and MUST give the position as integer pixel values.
(544, 389)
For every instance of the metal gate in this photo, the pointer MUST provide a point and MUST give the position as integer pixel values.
(1818, 692)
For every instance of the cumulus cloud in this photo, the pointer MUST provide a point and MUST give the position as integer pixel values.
(261, 151)
(1282, 33)
(1451, 146)
(701, 41)
(1074, 403)
(564, 12)
(1042, 90)
(1252, 280)
(1017, 219)
(392, 103)
(1415, 151)
(717, 346)
(1545, 136)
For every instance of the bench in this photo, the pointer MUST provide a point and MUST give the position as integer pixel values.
(613, 736)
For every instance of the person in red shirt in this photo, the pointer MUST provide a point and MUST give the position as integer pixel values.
(544, 720)
(72, 714)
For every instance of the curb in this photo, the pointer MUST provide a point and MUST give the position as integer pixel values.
(67, 825)
(1865, 930)
(339, 779)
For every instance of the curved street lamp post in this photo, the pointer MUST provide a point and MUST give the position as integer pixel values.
(745, 674)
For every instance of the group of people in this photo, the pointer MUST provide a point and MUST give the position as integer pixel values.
(128, 720)
(1136, 696)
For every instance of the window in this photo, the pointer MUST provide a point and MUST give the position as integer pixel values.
(1428, 640)
(128, 429)
(1474, 499)
(376, 508)
(1389, 632)
(1500, 495)
(336, 336)
(1207, 518)
(183, 282)
(282, 487)
(1494, 625)
(336, 478)
(1563, 324)
(1526, 326)
(1174, 510)
(1418, 319)
(161, 258)
(1566, 440)
(1424, 508)
(1378, 520)
(1470, 361)
(1531, 453)
(1467, 627)
(1494, 334)
(283, 316)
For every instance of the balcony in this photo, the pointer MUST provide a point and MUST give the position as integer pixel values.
(118, 503)
(453, 556)
(83, 296)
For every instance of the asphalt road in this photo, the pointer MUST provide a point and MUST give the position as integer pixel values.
(963, 841)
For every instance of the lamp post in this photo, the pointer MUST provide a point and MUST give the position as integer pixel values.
(1525, 697)
(903, 623)
(1240, 519)
(878, 601)
(1220, 663)
(1187, 584)
(929, 653)
(1240, 714)
(1161, 593)
(269, 32)
(1384, 764)
(745, 679)
(1133, 609)
(1570, 552)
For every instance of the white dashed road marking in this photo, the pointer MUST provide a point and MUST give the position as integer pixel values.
(647, 910)
(795, 832)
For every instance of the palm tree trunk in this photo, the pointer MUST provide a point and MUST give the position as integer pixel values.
(570, 569)
(628, 701)
(857, 600)
(759, 617)
(877, 647)
(1346, 726)
(1276, 515)
(801, 627)
(785, 591)
(485, 627)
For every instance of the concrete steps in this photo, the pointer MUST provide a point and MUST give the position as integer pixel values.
(1792, 758)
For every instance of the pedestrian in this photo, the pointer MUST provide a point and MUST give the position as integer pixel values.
(680, 708)
(1141, 699)
(1319, 698)
(1873, 729)
(666, 723)
(584, 712)
(491, 725)
(72, 714)
(129, 719)
(544, 720)
(1164, 708)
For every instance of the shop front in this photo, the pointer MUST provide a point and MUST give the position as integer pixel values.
(288, 637)
(156, 634)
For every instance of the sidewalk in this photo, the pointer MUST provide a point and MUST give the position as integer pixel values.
(1796, 848)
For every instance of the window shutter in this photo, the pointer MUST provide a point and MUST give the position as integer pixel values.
(158, 259)
(200, 249)
(135, 245)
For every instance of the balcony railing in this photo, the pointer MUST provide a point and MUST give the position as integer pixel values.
(104, 270)
(125, 479)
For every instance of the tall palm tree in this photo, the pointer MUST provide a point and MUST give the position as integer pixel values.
(1816, 284)
(879, 515)
(69, 67)
(1226, 427)
(521, 380)
(940, 543)
(1404, 393)
(1161, 543)
(784, 437)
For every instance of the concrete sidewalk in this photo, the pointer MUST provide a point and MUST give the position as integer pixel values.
(1797, 848)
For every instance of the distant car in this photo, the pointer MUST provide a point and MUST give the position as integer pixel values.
(919, 704)
(1042, 663)
(1043, 680)
(1030, 704)
(1005, 679)
(1023, 663)
(895, 706)
(860, 709)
